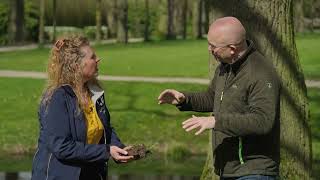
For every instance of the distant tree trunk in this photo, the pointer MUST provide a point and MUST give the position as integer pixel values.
(298, 16)
(112, 16)
(41, 22)
(270, 25)
(184, 19)
(170, 26)
(197, 18)
(206, 7)
(98, 20)
(54, 19)
(147, 21)
(16, 21)
(122, 35)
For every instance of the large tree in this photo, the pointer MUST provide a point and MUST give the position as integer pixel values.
(112, 18)
(16, 21)
(122, 34)
(146, 33)
(98, 20)
(270, 25)
(197, 11)
(41, 22)
(170, 26)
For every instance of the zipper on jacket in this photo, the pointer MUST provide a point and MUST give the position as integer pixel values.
(35, 154)
(240, 151)
(48, 166)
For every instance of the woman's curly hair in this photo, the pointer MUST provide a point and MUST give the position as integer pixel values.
(65, 68)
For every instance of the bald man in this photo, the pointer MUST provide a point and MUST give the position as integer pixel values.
(244, 99)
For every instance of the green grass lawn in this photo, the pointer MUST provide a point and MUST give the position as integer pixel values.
(135, 115)
(314, 100)
(165, 58)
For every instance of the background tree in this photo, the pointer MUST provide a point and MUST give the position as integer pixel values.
(16, 21)
(147, 21)
(122, 34)
(54, 18)
(270, 25)
(184, 18)
(298, 16)
(98, 20)
(41, 22)
(112, 18)
(197, 10)
(170, 26)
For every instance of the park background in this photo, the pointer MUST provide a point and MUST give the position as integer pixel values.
(146, 39)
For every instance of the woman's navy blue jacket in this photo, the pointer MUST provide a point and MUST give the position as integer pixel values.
(62, 150)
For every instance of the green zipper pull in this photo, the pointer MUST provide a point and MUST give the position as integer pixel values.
(240, 151)
(221, 97)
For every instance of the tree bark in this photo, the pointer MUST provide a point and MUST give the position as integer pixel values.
(41, 22)
(54, 19)
(170, 26)
(270, 25)
(298, 16)
(112, 18)
(98, 20)
(16, 21)
(184, 19)
(122, 34)
(147, 21)
(197, 18)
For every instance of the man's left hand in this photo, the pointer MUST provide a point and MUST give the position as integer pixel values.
(199, 122)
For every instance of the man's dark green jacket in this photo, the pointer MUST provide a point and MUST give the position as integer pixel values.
(244, 99)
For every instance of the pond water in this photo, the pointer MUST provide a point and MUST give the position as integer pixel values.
(27, 176)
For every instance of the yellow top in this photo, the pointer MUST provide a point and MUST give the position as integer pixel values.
(94, 126)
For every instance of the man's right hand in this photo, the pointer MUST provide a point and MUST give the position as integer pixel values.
(171, 96)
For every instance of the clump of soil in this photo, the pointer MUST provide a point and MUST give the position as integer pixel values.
(138, 151)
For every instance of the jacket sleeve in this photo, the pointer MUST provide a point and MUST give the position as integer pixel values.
(58, 136)
(263, 104)
(115, 140)
(199, 101)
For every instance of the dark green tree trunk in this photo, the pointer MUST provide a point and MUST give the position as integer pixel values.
(170, 26)
(298, 16)
(112, 18)
(98, 20)
(197, 18)
(54, 19)
(147, 21)
(41, 22)
(184, 18)
(16, 21)
(122, 34)
(270, 25)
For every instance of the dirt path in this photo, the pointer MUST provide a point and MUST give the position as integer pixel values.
(41, 75)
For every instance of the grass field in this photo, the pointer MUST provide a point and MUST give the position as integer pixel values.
(165, 58)
(137, 118)
(134, 110)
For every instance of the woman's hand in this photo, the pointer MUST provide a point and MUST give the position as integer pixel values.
(120, 155)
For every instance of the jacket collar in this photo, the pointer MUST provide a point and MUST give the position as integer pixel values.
(96, 91)
(242, 59)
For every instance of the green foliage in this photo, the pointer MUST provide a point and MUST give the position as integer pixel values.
(31, 18)
(62, 31)
(179, 153)
(90, 32)
(137, 18)
(4, 19)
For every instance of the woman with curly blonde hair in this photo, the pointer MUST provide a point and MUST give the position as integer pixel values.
(76, 138)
